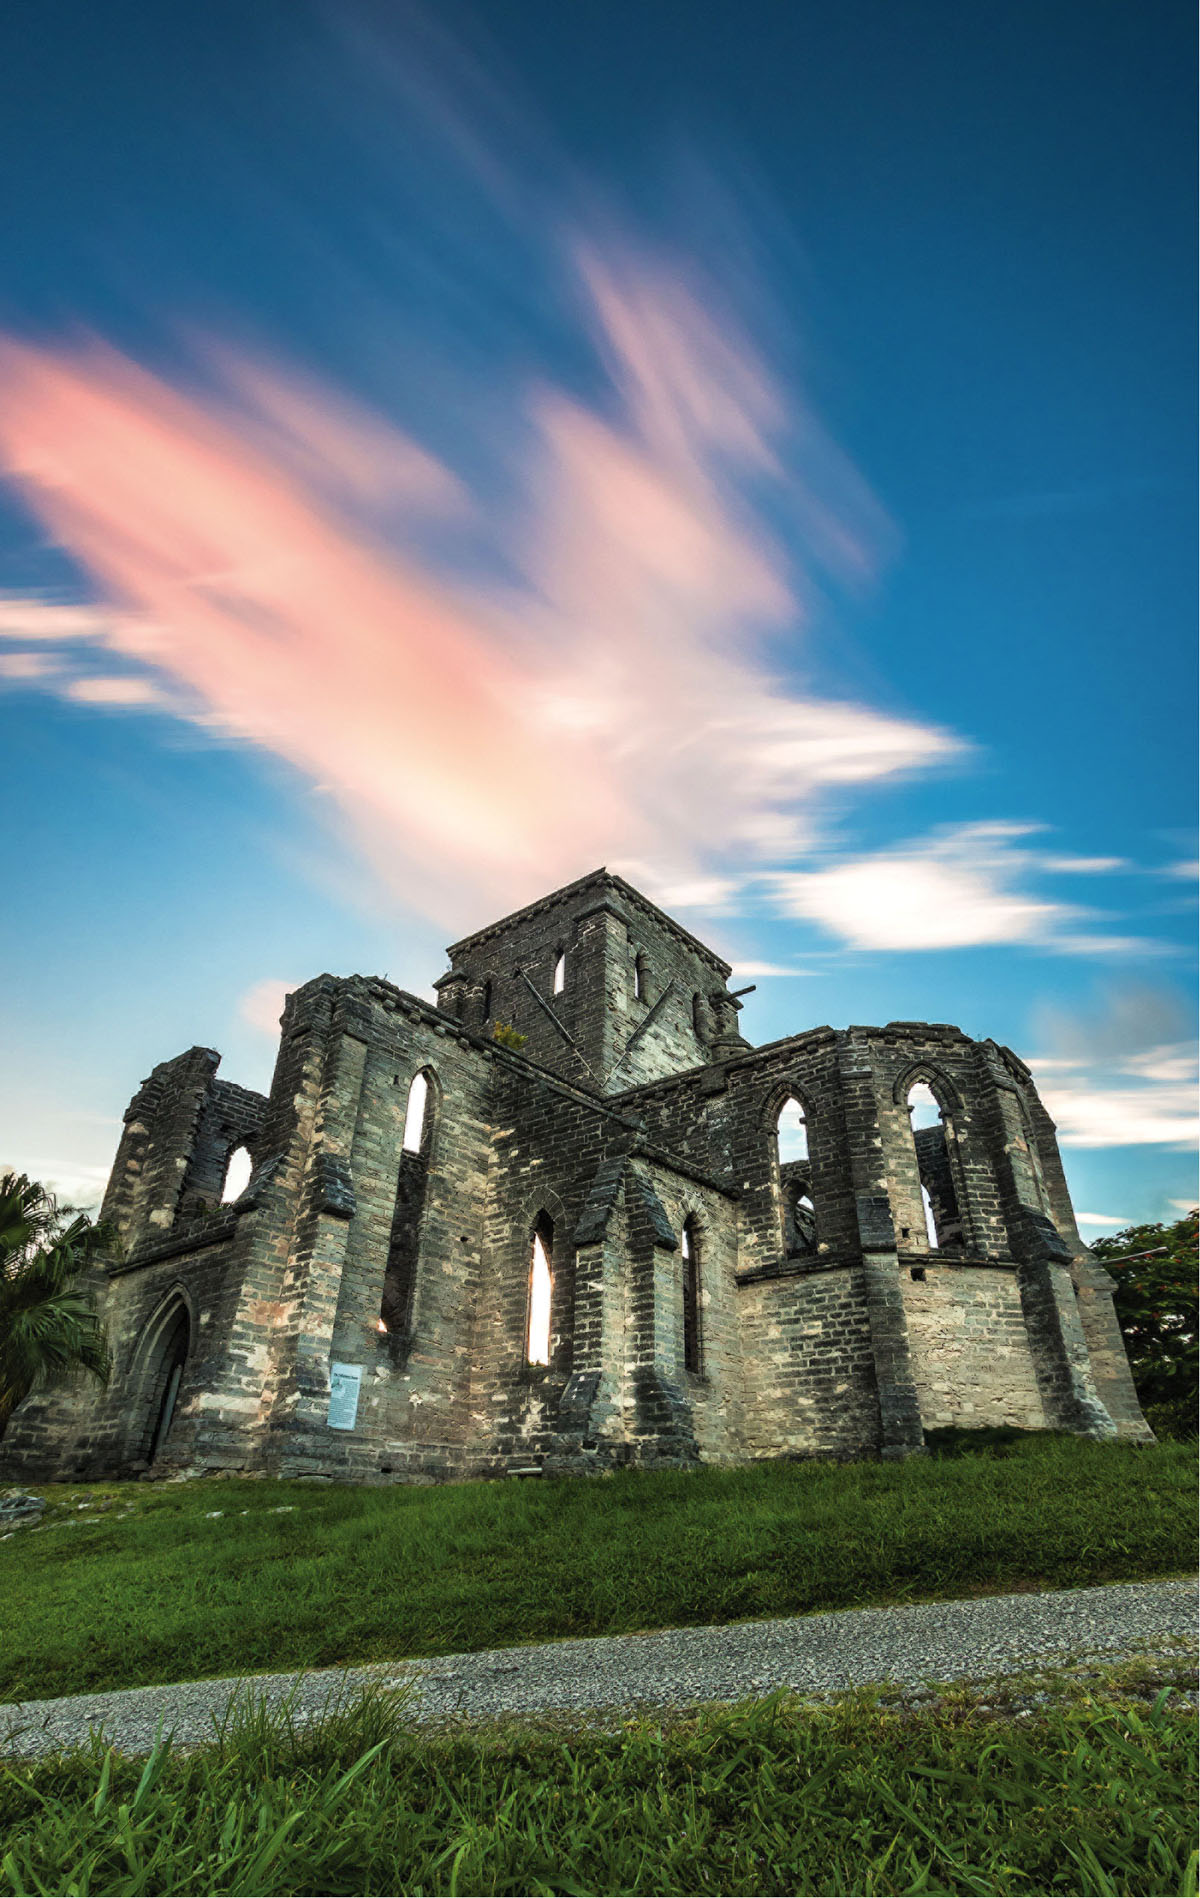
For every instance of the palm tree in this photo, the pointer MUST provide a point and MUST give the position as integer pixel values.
(47, 1326)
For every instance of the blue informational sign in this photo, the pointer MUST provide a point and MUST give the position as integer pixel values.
(345, 1382)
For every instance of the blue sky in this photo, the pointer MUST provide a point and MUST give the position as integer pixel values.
(747, 445)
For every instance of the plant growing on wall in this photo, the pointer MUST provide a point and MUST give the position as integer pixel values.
(508, 1037)
(47, 1326)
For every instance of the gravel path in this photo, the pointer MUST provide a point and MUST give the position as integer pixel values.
(909, 1646)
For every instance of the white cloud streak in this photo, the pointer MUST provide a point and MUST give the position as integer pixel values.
(956, 889)
(742, 970)
(1121, 1075)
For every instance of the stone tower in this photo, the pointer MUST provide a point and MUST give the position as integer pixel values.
(455, 1257)
(645, 998)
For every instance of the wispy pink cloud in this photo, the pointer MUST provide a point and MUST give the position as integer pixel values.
(617, 704)
(237, 583)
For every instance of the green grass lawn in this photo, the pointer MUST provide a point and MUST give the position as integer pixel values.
(140, 1583)
(1093, 1794)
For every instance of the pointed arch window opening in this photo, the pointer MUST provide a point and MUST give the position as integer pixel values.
(400, 1274)
(418, 1115)
(791, 1132)
(238, 1169)
(692, 1343)
(560, 973)
(936, 1155)
(398, 1292)
(541, 1293)
(794, 1176)
(487, 1002)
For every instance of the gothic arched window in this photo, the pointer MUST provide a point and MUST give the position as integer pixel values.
(690, 1248)
(792, 1132)
(794, 1176)
(418, 1115)
(395, 1319)
(932, 1137)
(238, 1169)
(541, 1291)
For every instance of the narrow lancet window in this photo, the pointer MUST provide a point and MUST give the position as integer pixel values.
(799, 1218)
(933, 1139)
(640, 975)
(396, 1302)
(415, 1115)
(541, 1293)
(237, 1175)
(793, 1133)
(690, 1247)
(560, 973)
(487, 1002)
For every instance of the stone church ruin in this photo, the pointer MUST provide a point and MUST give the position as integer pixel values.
(635, 1239)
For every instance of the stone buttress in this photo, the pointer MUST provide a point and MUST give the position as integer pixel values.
(450, 1256)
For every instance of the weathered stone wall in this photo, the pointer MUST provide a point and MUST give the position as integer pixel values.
(416, 1390)
(230, 1117)
(1108, 1363)
(549, 1143)
(175, 1245)
(83, 1430)
(715, 1395)
(900, 1056)
(724, 1119)
(162, 1124)
(598, 1031)
(625, 1115)
(970, 1352)
(810, 1374)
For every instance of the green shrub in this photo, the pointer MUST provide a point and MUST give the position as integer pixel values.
(1174, 1422)
(1156, 1305)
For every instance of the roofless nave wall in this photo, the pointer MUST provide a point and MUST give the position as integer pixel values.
(451, 1258)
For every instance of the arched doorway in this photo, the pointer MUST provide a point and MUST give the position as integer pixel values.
(168, 1355)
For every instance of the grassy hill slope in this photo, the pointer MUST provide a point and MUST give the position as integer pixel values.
(136, 1583)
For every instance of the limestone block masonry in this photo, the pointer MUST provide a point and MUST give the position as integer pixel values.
(454, 1258)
